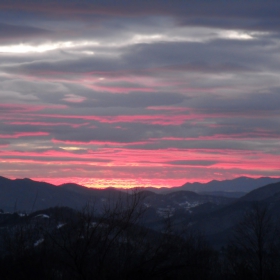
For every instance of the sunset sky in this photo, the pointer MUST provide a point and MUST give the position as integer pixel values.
(139, 93)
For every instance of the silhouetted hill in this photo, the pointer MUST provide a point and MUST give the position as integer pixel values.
(28, 195)
(262, 193)
(224, 194)
(217, 225)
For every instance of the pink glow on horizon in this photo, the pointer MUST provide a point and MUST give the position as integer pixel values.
(122, 183)
(125, 183)
(170, 158)
(103, 164)
(139, 169)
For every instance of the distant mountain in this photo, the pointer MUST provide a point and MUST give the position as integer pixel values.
(241, 184)
(28, 195)
(229, 188)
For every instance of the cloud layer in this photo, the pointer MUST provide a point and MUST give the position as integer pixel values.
(134, 93)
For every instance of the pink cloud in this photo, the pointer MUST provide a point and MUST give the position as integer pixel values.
(147, 119)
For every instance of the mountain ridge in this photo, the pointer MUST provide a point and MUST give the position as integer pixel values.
(239, 185)
(28, 195)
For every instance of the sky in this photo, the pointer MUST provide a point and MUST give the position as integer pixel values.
(139, 93)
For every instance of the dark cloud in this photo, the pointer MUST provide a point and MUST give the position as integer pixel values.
(192, 162)
(248, 104)
(4, 142)
(259, 11)
(20, 32)
(134, 99)
(219, 145)
(54, 158)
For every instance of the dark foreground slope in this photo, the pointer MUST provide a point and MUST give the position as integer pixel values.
(218, 225)
(145, 236)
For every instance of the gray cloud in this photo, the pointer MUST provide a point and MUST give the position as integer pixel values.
(10, 32)
(192, 162)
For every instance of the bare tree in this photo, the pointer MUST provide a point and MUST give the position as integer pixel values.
(249, 251)
(94, 239)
